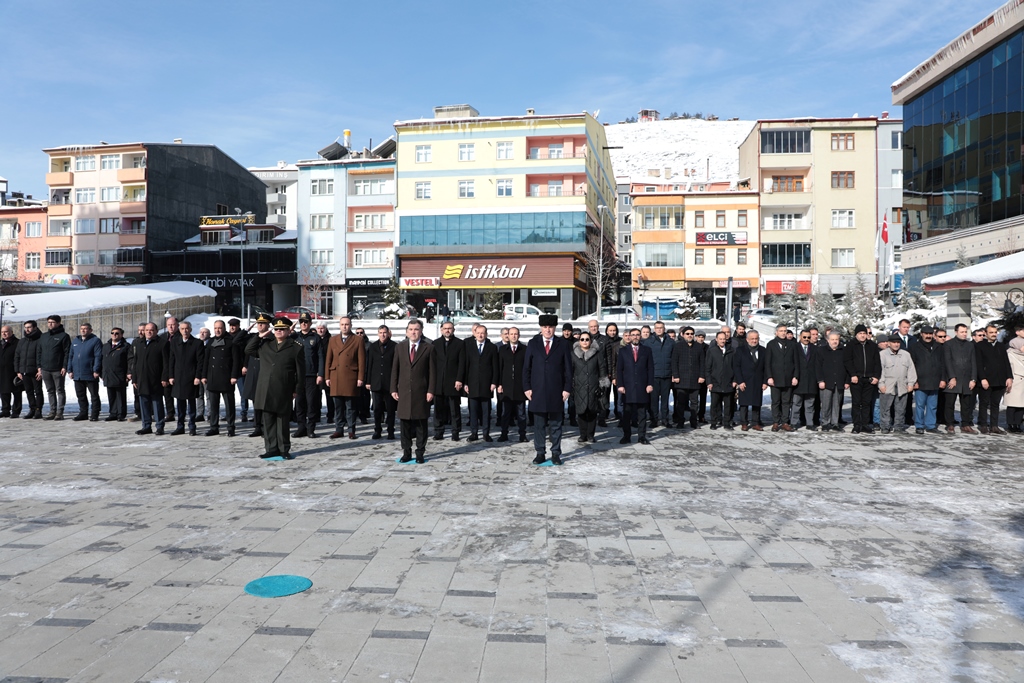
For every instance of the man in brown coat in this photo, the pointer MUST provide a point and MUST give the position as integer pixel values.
(413, 376)
(346, 368)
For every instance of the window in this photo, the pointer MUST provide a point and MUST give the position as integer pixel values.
(325, 301)
(504, 150)
(138, 194)
(109, 226)
(741, 257)
(556, 150)
(505, 187)
(627, 239)
(467, 151)
(719, 219)
(785, 221)
(135, 226)
(374, 186)
(34, 229)
(842, 142)
(785, 142)
(322, 186)
(554, 188)
(424, 154)
(59, 229)
(698, 219)
(110, 162)
(897, 215)
(627, 258)
(843, 258)
(110, 194)
(842, 218)
(222, 210)
(139, 162)
(85, 226)
(371, 221)
(370, 257)
(897, 254)
(321, 221)
(85, 195)
(897, 139)
(85, 258)
(843, 180)
(215, 236)
(108, 257)
(719, 257)
(58, 257)
(793, 255)
(264, 236)
(423, 190)
(787, 183)
(322, 257)
(659, 255)
(698, 257)
(741, 218)
(467, 189)
(32, 261)
(897, 177)
(650, 188)
(134, 256)
(659, 217)
(626, 200)
(85, 163)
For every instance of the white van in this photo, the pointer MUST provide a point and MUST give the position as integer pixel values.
(522, 313)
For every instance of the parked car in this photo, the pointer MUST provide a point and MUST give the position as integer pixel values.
(294, 312)
(461, 316)
(376, 311)
(522, 312)
(760, 313)
(616, 314)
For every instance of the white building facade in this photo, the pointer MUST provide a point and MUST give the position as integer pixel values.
(282, 193)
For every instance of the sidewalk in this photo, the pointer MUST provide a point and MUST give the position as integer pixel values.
(720, 556)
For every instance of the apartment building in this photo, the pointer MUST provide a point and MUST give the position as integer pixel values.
(282, 181)
(890, 205)
(514, 204)
(693, 237)
(817, 180)
(346, 227)
(624, 237)
(110, 204)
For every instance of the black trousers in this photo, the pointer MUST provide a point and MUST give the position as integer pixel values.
(384, 407)
(940, 409)
(86, 390)
(513, 410)
(966, 409)
(720, 403)
(587, 421)
(702, 402)
(1014, 416)
(345, 412)
(447, 411)
(7, 405)
(480, 415)
(307, 404)
(862, 396)
(687, 399)
(988, 405)
(750, 415)
(229, 408)
(782, 404)
(169, 402)
(137, 401)
(411, 428)
(117, 398)
(34, 393)
(187, 407)
(630, 412)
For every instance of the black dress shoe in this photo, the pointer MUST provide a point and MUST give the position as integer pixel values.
(644, 441)
(159, 432)
(299, 433)
(391, 436)
(624, 439)
(351, 433)
(81, 417)
(471, 438)
(110, 419)
(455, 437)
(420, 460)
(287, 456)
(178, 432)
(145, 431)
(556, 459)
(438, 437)
(212, 432)
(540, 459)
(30, 416)
(405, 458)
(503, 438)
(258, 432)
(201, 418)
(487, 438)
(522, 438)
(376, 436)
(231, 431)
(272, 454)
(192, 432)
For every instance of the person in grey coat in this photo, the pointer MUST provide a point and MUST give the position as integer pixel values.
(960, 372)
(897, 381)
(589, 381)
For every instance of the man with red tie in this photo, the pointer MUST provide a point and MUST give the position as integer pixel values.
(634, 379)
(510, 385)
(547, 382)
(413, 377)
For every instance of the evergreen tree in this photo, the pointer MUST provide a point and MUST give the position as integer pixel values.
(493, 307)
(686, 307)
(962, 259)
(393, 297)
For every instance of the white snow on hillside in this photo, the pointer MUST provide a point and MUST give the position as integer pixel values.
(680, 144)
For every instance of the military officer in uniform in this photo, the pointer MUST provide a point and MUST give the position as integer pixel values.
(307, 404)
(281, 379)
(251, 370)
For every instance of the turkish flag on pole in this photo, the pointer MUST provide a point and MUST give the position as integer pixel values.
(885, 228)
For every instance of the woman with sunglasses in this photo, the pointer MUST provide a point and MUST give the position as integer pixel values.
(589, 381)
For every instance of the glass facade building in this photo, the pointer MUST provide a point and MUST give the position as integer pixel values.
(962, 145)
(558, 227)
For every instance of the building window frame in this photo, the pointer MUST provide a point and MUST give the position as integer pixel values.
(504, 150)
(787, 183)
(504, 187)
(321, 257)
(698, 219)
(843, 219)
(321, 187)
(110, 226)
(85, 195)
(842, 142)
(844, 257)
(33, 229)
(719, 218)
(741, 218)
(786, 255)
(720, 257)
(467, 189)
(467, 151)
(110, 162)
(787, 141)
(698, 257)
(321, 221)
(85, 226)
(843, 180)
(58, 258)
(424, 154)
(85, 257)
(85, 163)
(741, 256)
(423, 190)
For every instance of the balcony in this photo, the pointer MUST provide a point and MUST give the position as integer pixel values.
(557, 191)
(133, 239)
(278, 219)
(787, 225)
(133, 207)
(61, 178)
(545, 153)
(276, 197)
(60, 209)
(131, 175)
(389, 265)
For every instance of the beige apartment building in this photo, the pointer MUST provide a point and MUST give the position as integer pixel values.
(817, 180)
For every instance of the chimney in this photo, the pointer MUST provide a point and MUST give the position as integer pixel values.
(347, 138)
(885, 114)
(530, 112)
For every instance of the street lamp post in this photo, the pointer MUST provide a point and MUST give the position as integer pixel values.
(241, 280)
(6, 305)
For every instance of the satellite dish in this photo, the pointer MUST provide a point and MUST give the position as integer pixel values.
(597, 112)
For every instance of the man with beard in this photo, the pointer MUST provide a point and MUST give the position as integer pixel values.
(635, 381)
(481, 380)
(26, 366)
(379, 360)
(84, 361)
(511, 359)
(54, 346)
(185, 375)
(688, 374)
(783, 375)
(751, 380)
(346, 367)
(307, 404)
(864, 367)
(450, 357)
(960, 368)
(830, 370)
(221, 369)
(114, 371)
(147, 371)
(610, 345)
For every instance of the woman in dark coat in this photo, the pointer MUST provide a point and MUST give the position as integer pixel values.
(589, 381)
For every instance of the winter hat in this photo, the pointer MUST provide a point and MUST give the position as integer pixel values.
(548, 320)
(895, 338)
(859, 329)
(927, 329)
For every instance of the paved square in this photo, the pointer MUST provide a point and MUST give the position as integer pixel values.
(715, 556)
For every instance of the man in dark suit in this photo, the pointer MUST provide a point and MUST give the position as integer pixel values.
(748, 366)
(547, 383)
(806, 390)
(379, 360)
(451, 374)
(186, 355)
(634, 379)
(413, 378)
(830, 371)
(147, 370)
(702, 391)
(510, 385)
(481, 380)
(781, 364)
(307, 404)
(719, 374)
(688, 358)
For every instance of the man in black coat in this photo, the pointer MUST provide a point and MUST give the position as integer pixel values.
(114, 372)
(806, 390)
(221, 370)
(510, 385)
(688, 363)
(864, 367)
(185, 373)
(783, 376)
(830, 372)
(481, 380)
(719, 375)
(634, 379)
(960, 372)
(996, 377)
(547, 384)
(751, 378)
(307, 404)
(169, 333)
(450, 356)
(54, 346)
(611, 342)
(26, 366)
(147, 371)
(325, 338)
(927, 356)
(702, 392)
(379, 359)
(8, 349)
(239, 338)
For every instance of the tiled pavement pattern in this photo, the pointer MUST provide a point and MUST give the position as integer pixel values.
(710, 557)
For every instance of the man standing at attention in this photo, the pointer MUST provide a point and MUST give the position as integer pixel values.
(281, 379)
(413, 376)
(84, 361)
(346, 367)
(634, 379)
(379, 361)
(661, 352)
(53, 364)
(481, 380)
(450, 355)
(782, 368)
(307, 404)
(547, 384)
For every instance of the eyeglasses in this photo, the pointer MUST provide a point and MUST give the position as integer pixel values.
(805, 338)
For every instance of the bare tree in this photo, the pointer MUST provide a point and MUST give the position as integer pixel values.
(601, 268)
(315, 280)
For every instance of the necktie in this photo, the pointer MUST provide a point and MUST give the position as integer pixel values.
(807, 350)
(636, 354)
(480, 349)
(547, 346)
(513, 348)
(755, 356)
(412, 353)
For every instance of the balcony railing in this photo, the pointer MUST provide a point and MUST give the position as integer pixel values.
(129, 230)
(276, 197)
(385, 228)
(557, 191)
(389, 264)
(543, 153)
(787, 224)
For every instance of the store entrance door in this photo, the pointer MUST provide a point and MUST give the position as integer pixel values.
(720, 312)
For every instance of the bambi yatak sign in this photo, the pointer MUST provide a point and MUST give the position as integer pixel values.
(498, 272)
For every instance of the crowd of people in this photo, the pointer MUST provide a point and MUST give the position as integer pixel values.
(645, 378)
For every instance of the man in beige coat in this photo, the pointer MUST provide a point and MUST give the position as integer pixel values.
(898, 379)
(346, 368)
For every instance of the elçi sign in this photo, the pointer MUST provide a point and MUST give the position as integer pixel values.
(456, 272)
(710, 239)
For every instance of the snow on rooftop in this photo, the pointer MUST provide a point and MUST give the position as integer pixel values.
(678, 144)
(1007, 271)
(63, 303)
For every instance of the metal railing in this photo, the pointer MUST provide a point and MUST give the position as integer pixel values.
(544, 153)
(548, 191)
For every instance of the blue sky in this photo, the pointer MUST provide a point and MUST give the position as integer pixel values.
(279, 80)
